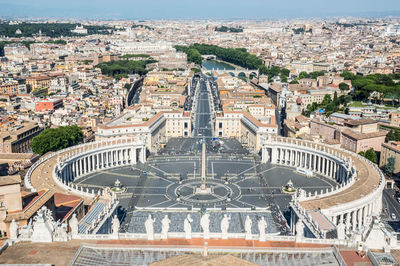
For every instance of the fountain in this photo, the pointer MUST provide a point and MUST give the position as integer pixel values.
(118, 188)
(289, 188)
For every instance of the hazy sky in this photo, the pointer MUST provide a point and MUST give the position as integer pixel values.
(197, 9)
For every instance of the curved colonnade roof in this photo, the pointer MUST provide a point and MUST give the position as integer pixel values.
(368, 179)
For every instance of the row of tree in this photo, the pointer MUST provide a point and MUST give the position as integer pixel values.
(237, 56)
(53, 30)
(365, 85)
(54, 139)
(228, 29)
(329, 105)
(122, 68)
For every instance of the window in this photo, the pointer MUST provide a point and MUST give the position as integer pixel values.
(186, 125)
(220, 125)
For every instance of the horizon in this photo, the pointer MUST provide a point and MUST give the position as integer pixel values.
(191, 10)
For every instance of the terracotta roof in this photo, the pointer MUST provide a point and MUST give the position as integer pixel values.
(10, 180)
(393, 145)
(357, 122)
(361, 136)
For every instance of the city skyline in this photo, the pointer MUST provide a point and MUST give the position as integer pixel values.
(178, 9)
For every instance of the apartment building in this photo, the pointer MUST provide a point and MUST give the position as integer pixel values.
(391, 149)
(9, 88)
(18, 138)
(143, 122)
(38, 82)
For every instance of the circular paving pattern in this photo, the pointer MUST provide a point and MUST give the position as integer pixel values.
(220, 192)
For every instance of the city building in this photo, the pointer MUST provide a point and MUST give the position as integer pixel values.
(48, 105)
(391, 149)
(18, 138)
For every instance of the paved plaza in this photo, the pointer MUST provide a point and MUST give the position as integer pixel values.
(241, 187)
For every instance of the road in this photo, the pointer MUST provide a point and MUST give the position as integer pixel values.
(136, 97)
(390, 204)
(203, 116)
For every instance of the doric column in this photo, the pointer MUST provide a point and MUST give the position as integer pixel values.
(143, 154)
(133, 155)
(85, 165)
(68, 171)
(75, 169)
(365, 212)
(360, 216)
(274, 155)
(299, 157)
(353, 218)
(330, 168)
(315, 163)
(334, 170)
(348, 220)
(93, 166)
(292, 157)
(79, 167)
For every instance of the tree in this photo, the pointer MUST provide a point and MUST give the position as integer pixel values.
(54, 139)
(348, 75)
(343, 86)
(389, 167)
(303, 75)
(194, 56)
(335, 99)
(370, 155)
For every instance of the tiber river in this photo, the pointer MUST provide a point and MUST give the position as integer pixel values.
(216, 65)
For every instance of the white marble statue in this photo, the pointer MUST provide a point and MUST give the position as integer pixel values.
(73, 225)
(299, 230)
(149, 227)
(43, 226)
(165, 227)
(224, 226)
(60, 233)
(205, 225)
(13, 230)
(247, 227)
(341, 231)
(115, 225)
(262, 225)
(187, 226)
(25, 233)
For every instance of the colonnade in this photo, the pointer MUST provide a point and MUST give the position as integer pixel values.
(331, 163)
(319, 163)
(99, 159)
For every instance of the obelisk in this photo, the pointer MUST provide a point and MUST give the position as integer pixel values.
(203, 166)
